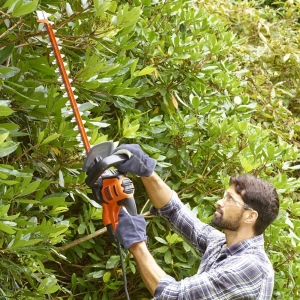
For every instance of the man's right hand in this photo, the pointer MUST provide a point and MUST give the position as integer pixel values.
(139, 163)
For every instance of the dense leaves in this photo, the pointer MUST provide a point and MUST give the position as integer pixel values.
(208, 89)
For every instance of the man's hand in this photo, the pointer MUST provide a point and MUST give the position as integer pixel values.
(130, 229)
(139, 163)
(131, 232)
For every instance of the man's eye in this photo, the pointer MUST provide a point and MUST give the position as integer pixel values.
(229, 199)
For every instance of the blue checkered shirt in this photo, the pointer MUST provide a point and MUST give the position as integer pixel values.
(241, 271)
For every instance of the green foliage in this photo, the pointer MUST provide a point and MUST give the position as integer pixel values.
(208, 89)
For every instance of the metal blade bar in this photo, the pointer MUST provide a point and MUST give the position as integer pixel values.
(67, 83)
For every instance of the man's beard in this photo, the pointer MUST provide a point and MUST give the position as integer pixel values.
(233, 224)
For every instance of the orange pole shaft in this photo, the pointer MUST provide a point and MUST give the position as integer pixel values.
(67, 85)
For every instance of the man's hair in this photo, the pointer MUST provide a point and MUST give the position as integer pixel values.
(259, 195)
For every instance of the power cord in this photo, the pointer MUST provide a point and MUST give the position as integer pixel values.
(122, 267)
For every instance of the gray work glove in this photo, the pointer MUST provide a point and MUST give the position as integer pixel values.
(130, 229)
(139, 163)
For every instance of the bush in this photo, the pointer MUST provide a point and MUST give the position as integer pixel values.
(207, 89)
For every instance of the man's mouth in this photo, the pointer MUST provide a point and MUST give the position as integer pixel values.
(218, 212)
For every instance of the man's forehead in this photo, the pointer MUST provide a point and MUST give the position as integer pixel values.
(231, 190)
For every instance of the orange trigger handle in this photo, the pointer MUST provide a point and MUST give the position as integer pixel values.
(116, 192)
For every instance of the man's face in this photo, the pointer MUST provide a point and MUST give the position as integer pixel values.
(229, 211)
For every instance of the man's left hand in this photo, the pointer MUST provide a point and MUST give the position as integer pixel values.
(130, 229)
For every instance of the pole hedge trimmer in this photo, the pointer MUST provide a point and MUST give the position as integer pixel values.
(110, 188)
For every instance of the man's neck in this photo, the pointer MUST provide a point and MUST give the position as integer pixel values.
(234, 237)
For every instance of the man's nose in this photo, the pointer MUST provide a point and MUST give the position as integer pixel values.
(220, 202)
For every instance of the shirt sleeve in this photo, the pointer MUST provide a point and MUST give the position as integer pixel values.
(187, 225)
(242, 281)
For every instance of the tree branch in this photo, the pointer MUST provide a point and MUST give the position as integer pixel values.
(287, 260)
(11, 28)
(88, 237)
(81, 240)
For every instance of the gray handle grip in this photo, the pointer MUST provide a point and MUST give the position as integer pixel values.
(103, 164)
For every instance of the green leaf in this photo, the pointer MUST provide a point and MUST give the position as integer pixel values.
(3, 176)
(27, 201)
(48, 285)
(94, 257)
(168, 257)
(206, 109)
(54, 199)
(82, 228)
(24, 243)
(170, 50)
(174, 239)
(132, 267)
(6, 52)
(101, 6)
(145, 71)
(296, 209)
(133, 66)
(243, 125)
(96, 274)
(7, 148)
(3, 136)
(130, 46)
(57, 231)
(247, 166)
(41, 135)
(69, 10)
(5, 111)
(61, 178)
(10, 218)
(289, 222)
(270, 151)
(7, 72)
(91, 227)
(11, 3)
(130, 132)
(250, 106)
(74, 282)
(11, 127)
(175, 40)
(31, 187)
(107, 276)
(9, 170)
(6, 228)
(182, 265)
(4, 209)
(130, 129)
(179, 255)
(58, 209)
(162, 249)
(26, 8)
(112, 261)
(161, 240)
(50, 138)
(195, 101)
(186, 247)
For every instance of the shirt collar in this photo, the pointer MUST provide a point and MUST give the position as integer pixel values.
(256, 241)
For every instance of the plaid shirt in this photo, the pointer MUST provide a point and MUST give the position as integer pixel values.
(241, 271)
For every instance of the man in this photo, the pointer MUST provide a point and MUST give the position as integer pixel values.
(234, 264)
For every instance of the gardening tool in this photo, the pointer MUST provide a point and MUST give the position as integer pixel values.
(110, 188)
(98, 158)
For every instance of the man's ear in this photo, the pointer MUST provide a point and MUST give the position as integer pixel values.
(251, 216)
